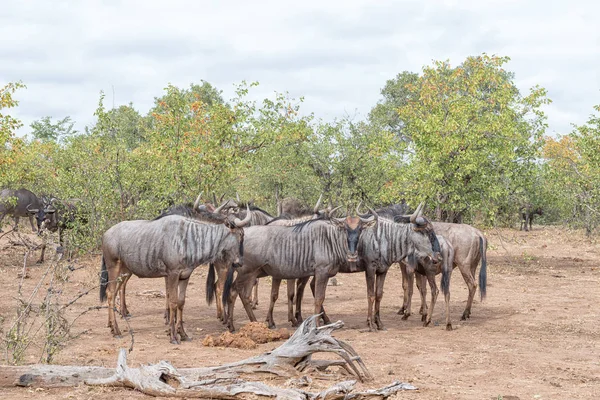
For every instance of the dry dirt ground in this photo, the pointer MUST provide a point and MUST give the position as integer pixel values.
(536, 336)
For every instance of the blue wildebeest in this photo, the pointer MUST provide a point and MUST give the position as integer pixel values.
(21, 203)
(170, 247)
(470, 247)
(314, 248)
(205, 212)
(60, 215)
(258, 217)
(291, 209)
(527, 213)
(427, 273)
(378, 249)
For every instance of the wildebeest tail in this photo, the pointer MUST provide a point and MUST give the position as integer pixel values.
(483, 271)
(210, 284)
(446, 272)
(103, 281)
(228, 285)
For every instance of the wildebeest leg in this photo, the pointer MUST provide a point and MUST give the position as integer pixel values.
(31, 222)
(172, 281)
(410, 277)
(422, 288)
(531, 221)
(124, 311)
(16, 228)
(404, 289)
(378, 296)
(167, 312)
(41, 259)
(370, 278)
(319, 292)
(300, 286)
(324, 316)
(114, 269)
(220, 285)
(230, 305)
(275, 283)
(254, 300)
(291, 292)
(434, 294)
(527, 222)
(469, 278)
(182, 287)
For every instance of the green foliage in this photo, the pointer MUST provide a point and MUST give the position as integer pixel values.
(474, 136)
(573, 170)
(8, 126)
(47, 131)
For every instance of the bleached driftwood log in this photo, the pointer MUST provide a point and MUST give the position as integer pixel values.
(220, 382)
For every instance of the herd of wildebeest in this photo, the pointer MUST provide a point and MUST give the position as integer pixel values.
(240, 243)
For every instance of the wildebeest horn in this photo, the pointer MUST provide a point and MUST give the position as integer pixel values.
(332, 211)
(197, 202)
(240, 223)
(32, 210)
(218, 209)
(417, 213)
(358, 208)
(316, 209)
(374, 215)
(237, 196)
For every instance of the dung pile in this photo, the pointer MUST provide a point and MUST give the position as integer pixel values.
(248, 337)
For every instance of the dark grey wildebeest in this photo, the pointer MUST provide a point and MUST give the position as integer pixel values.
(389, 243)
(314, 248)
(527, 213)
(261, 217)
(170, 247)
(205, 212)
(21, 203)
(470, 247)
(426, 274)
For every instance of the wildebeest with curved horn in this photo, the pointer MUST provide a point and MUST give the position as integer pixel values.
(379, 248)
(314, 248)
(21, 203)
(170, 247)
(470, 247)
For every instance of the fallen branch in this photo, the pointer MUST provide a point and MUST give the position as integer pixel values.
(221, 382)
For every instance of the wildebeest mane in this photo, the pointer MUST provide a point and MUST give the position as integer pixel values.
(188, 210)
(301, 225)
(280, 218)
(243, 206)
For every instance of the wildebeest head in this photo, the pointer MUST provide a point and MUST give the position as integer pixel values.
(233, 245)
(354, 227)
(426, 245)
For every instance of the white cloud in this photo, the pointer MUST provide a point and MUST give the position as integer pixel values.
(337, 54)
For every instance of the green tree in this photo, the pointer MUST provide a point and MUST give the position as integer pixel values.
(396, 93)
(8, 126)
(474, 136)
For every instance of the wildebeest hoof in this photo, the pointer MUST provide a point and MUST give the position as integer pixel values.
(405, 317)
(38, 261)
(175, 341)
(426, 323)
(401, 311)
(449, 327)
(423, 317)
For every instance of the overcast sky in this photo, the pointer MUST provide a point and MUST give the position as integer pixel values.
(337, 54)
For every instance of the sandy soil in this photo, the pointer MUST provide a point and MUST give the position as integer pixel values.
(537, 335)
